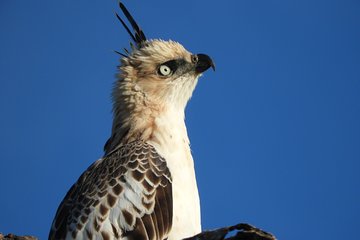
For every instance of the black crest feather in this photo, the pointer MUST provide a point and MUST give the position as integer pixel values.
(138, 36)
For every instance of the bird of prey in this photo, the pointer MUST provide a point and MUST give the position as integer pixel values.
(144, 187)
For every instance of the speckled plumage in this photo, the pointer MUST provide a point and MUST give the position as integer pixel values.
(116, 196)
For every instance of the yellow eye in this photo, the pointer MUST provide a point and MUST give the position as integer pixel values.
(164, 70)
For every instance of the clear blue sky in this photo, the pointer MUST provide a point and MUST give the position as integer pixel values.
(275, 131)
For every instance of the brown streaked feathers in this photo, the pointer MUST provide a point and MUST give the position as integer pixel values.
(109, 188)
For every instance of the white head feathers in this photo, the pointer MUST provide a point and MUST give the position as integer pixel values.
(155, 76)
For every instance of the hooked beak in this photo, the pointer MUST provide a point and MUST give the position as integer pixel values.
(202, 63)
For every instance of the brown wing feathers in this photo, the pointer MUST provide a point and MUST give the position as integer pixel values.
(107, 185)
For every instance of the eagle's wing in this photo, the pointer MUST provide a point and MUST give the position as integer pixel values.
(125, 195)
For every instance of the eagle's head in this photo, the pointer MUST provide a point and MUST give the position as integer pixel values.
(155, 76)
(164, 72)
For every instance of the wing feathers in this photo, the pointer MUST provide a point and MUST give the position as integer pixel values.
(128, 190)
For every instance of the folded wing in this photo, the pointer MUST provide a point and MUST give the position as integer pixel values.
(125, 195)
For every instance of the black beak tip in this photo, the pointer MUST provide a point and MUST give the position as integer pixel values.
(213, 66)
(203, 63)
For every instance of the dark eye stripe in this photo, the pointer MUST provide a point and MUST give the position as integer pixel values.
(174, 64)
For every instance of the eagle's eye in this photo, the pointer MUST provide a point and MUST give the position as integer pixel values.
(164, 70)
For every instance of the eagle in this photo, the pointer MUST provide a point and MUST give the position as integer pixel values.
(144, 187)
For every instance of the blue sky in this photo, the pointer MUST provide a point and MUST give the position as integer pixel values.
(275, 131)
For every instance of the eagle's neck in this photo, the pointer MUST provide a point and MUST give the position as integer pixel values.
(137, 114)
(133, 114)
(163, 126)
(170, 139)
